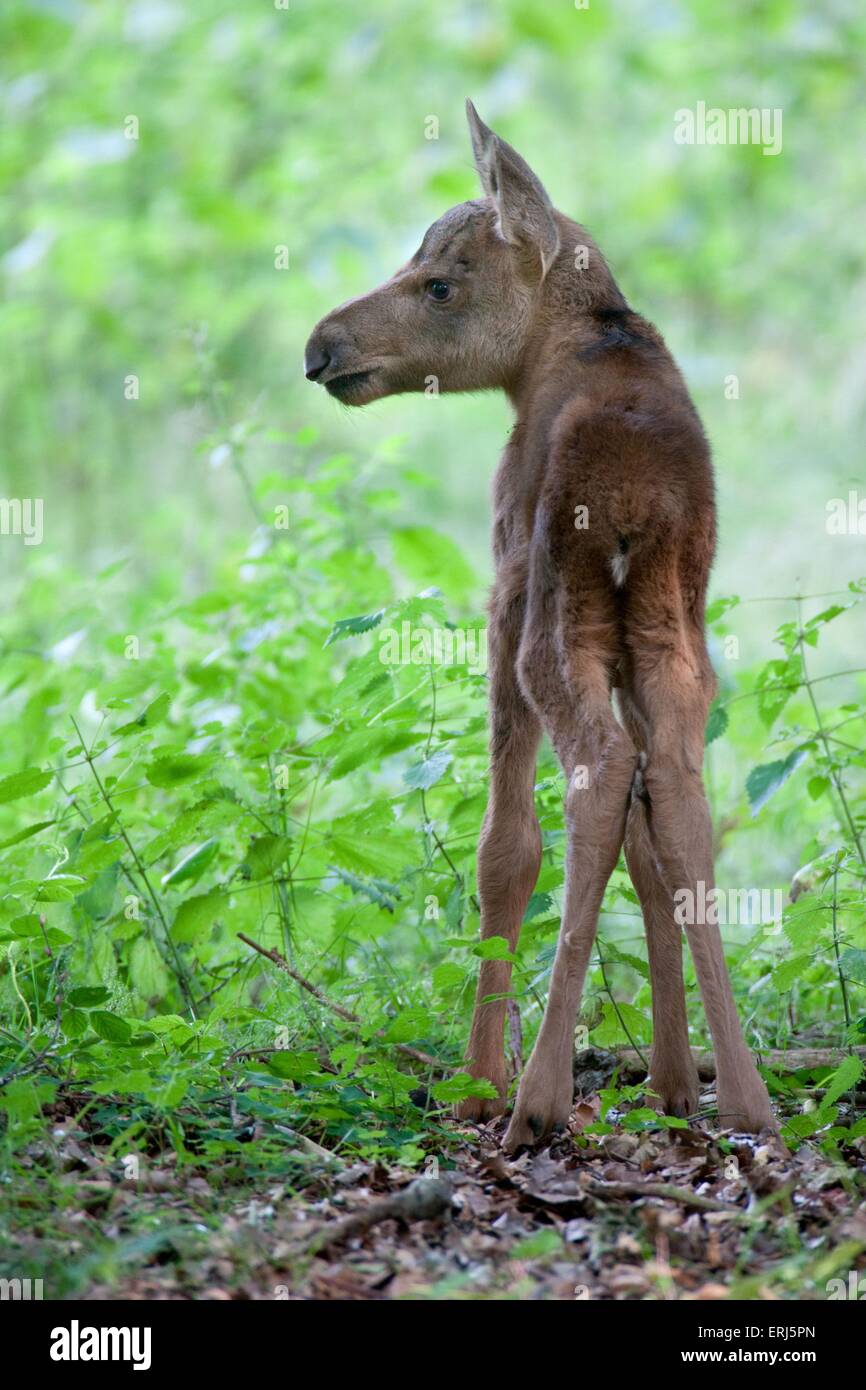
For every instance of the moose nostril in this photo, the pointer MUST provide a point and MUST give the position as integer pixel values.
(316, 360)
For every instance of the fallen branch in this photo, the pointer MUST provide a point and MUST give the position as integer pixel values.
(423, 1200)
(793, 1059)
(665, 1190)
(310, 1147)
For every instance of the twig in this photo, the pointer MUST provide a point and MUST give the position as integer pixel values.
(299, 979)
(415, 1053)
(667, 1191)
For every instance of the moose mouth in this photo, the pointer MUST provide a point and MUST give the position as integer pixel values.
(347, 385)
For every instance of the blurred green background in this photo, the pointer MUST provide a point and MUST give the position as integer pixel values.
(261, 127)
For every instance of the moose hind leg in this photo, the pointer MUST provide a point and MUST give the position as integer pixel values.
(673, 1074)
(672, 683)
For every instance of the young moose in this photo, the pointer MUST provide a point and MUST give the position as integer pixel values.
(603, 538)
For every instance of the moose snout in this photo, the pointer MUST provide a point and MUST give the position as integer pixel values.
(333, 359)
(316, 358)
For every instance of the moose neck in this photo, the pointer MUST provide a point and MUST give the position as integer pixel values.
(564, 320)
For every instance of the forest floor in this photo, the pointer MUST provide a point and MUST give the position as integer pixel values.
(655, 1214)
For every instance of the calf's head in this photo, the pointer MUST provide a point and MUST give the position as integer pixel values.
(457, 316)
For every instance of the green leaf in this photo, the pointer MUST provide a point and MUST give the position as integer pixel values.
(26, 833)
(719, 606)
(426, 774)
(377, 890)
(364, 747)
(294, 1066)
(88, 996)
(447, 976)
(353, 627)
(23, 784)
(376, 857)
(147, 973)
(539, 905)
(460, 1087)
(843, 1079)
(642, 1117)
(853, 964)
(96, 855)
(73, 1023)
(817, 786)
(172, 1027)
(612, 952)
(764, 781)
(25, 1098)
(60, 888)
(173, 1093)
(775, 685)
(168, 770)
(717, 722)
(789, 971)
(265, 854)
(195, 916)
(193, 865)
(28, 925)
(537, 1246)
(428, 558)
(827, 615)
(610, 1031)
(153, 714)
(493, 948)
(409, 1025)
(109, 1026)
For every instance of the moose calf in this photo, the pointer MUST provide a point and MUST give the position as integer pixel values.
(507, 293)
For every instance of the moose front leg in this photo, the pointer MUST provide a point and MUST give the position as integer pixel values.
(509, 853)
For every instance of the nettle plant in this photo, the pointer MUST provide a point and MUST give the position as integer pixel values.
(264, 760)
(247, 763)
(819, 973)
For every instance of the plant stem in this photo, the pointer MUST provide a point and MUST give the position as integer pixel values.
(172, 945)
(843, 984)
(831, 768)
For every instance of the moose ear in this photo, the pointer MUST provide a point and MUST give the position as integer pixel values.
(526, 218)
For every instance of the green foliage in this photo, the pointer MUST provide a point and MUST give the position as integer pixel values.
(212, 723)
(237, 770)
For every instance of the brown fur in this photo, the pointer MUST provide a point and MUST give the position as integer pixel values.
(603, 421)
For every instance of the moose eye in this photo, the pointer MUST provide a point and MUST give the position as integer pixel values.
(439, 290)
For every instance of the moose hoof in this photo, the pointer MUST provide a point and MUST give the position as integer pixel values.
(678, 1096)
(745, 1106)
(480, 1109)
(531, 1127)
(537, 1114)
